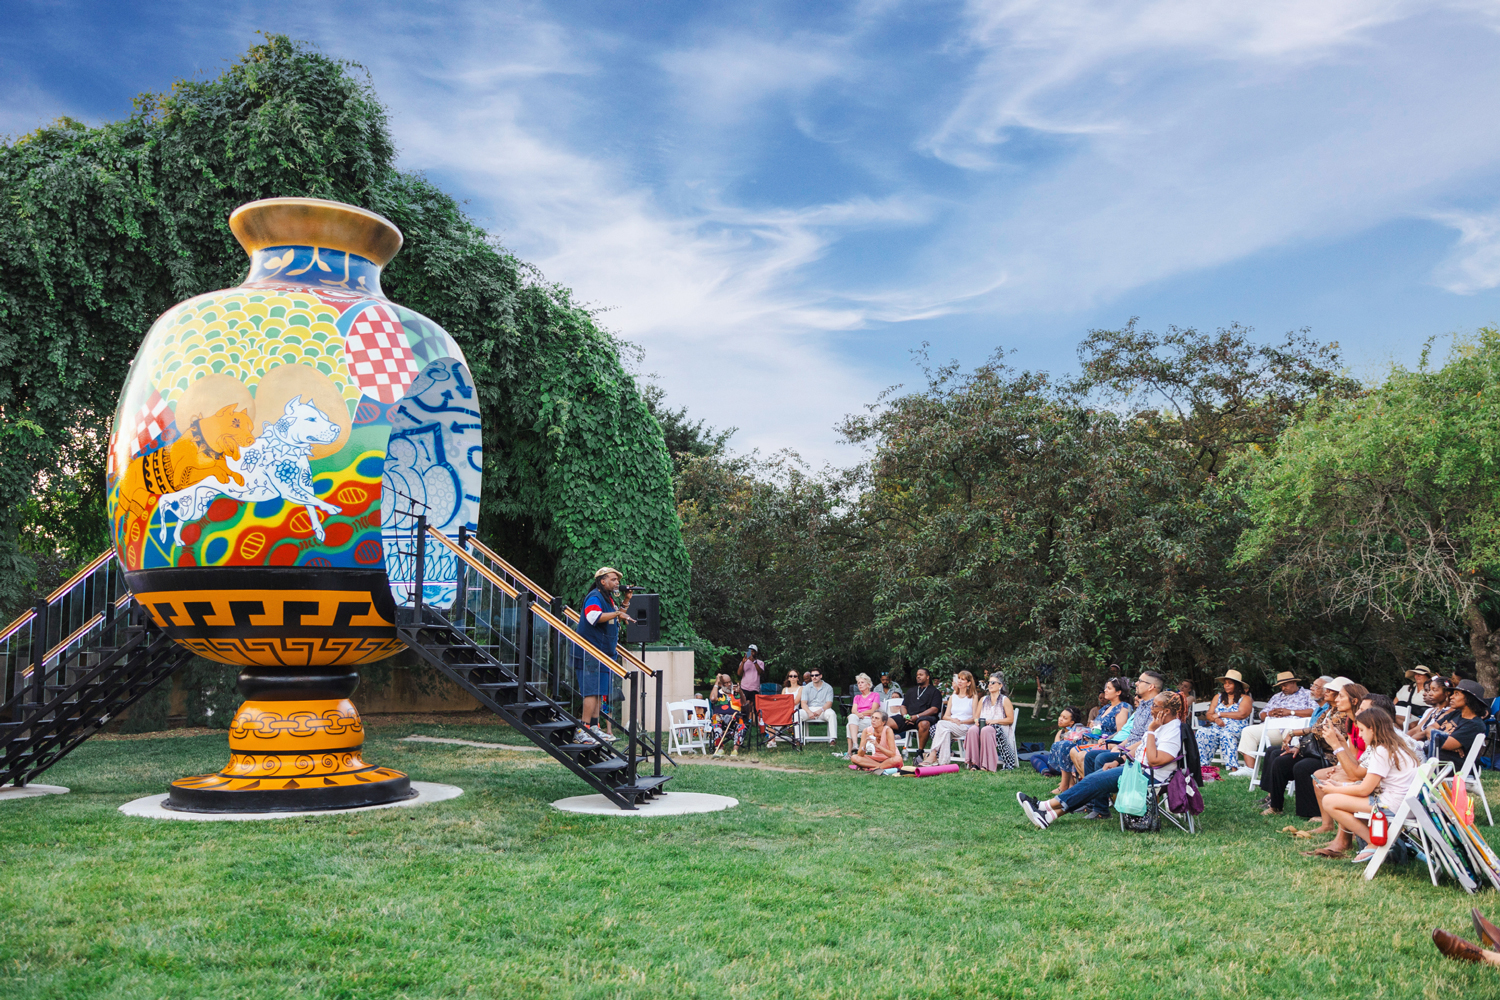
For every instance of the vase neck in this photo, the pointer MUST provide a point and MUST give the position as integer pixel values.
(317, 267)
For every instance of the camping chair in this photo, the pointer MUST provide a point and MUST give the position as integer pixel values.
(1286, 722)
(778, 717)
(1186, 821)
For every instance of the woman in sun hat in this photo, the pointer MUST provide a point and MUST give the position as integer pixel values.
(1228, 715)
(1413, 694)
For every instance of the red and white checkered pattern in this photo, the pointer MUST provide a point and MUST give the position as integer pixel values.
(379, 354)
(155, 425)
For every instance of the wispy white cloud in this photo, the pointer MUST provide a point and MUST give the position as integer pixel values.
(1474, 263)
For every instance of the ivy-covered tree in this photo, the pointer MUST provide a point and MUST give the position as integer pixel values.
(103, 228)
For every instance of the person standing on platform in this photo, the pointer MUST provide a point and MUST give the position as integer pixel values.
(750, 672)
(599, 623)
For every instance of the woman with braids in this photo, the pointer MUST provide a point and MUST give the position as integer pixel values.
(1389, 764)
(1159, 750)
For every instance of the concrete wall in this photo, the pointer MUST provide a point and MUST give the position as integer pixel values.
(676, 665)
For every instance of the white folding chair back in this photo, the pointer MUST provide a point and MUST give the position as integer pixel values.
(804, 729)
(1199, 708)
(1285, 722)
(1471, 778)
(689, 732)
(1402, 822)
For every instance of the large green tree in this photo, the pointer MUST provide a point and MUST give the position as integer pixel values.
(103, 228)
(1387, 503)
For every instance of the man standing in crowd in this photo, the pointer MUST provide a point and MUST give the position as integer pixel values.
(888, 689)
(751, 670)
(816, 704)
(922, 708)
(1291, 700)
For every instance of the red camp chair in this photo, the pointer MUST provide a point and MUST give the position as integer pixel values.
(778, 713)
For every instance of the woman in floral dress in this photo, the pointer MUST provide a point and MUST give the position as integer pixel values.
(1227, 717)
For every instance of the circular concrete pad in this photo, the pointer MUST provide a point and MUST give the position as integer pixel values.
(151, 806)
(30, 791)
(670, 804)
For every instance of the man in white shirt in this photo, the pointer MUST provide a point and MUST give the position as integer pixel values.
(815, 703)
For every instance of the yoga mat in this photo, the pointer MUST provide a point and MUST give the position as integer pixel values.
(929, 771)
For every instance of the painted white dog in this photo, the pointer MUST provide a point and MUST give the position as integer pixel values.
(276, 465)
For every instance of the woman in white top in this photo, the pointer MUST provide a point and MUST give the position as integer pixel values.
(987, 744)
(957, 717)
(1390, 766)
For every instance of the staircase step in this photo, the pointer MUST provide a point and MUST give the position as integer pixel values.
(524, 706)
(606, 766)
(646, 783)
(554, 727)
(499, 686)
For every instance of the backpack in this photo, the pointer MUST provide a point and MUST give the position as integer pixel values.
(1183, 795)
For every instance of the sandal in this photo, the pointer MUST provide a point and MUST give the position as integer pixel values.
(1326, 852)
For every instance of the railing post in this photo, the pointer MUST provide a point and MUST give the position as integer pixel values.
(634, 713)
(39, 651)
(461, 602)
(660, 676)
(421, 556)
(523, 643)
(558, 650)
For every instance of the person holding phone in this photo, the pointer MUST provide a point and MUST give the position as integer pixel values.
(752, 668)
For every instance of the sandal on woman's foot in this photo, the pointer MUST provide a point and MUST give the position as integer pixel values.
(1329, 852)
(1268, 811)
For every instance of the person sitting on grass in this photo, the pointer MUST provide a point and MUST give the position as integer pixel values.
(1159, 750)
(956, 719)
(1439, 698)
(1389, 765)
(1227, 717)
(1070, 733)
(987, 743)
(866, 704)
(878, 750)
(1114, 714)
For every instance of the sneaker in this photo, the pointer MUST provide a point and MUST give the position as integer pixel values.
(1242, 772)
(1094, 814)
(771, 745)
(719, 752)
(584, 735)
(600, 736)
(735, 752)
(1033, 810)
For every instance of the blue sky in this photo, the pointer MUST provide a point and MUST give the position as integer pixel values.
(778, 201)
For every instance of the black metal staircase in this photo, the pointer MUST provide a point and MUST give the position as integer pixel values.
(71, 664)
(502, 643)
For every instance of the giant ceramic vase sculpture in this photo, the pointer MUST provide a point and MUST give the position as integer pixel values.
(271, 448)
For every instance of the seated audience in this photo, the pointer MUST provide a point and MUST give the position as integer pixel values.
(1148, 686)
(1439, 696)
(889, 690)
(1346, 746)
(793, 686)
(923, 706)
(1070, 733)
(955, 721)
(1389, 766)
(1096, 709)
(877, 751)
(987, 743)
(1451, 739)
(1413, 693)
(724, 703)
(1114, 714)
(815, 699)
(1306, 752)
(866, 704)
(1159, 749)
(1291, 699)
(1228, 715)
(1189, 698)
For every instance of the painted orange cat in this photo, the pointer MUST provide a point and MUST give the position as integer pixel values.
(190, 459)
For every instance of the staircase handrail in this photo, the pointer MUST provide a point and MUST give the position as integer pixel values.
(60, 592)
(542, 595)
(537, 609)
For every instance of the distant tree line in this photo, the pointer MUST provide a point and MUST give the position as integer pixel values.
(1189, 502)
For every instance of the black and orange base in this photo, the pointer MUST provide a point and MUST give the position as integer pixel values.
(295, 745)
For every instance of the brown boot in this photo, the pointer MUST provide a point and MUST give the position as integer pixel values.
(1456, 947)
(1489, 934)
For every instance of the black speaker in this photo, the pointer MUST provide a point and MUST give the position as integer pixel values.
(646, 610)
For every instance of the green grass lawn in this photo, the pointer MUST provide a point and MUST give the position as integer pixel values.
(821, 884)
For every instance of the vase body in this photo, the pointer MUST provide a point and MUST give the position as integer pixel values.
(270, 451)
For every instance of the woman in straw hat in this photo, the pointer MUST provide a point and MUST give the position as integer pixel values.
(1227, 717)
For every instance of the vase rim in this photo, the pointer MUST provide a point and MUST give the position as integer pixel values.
(273, 222)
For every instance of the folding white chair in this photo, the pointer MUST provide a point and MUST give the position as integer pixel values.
(804, 730)
(1471, 778)
(1404, 822)
(689, 730)
(1199, 708)
(1285, 722)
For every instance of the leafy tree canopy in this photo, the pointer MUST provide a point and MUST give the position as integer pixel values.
(103, 228)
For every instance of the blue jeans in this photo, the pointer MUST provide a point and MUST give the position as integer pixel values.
(1095, 759)
(1093, 790)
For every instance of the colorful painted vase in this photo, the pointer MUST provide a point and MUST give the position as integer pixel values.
(272, 447)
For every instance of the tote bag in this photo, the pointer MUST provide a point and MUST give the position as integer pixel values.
(1130, 794)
